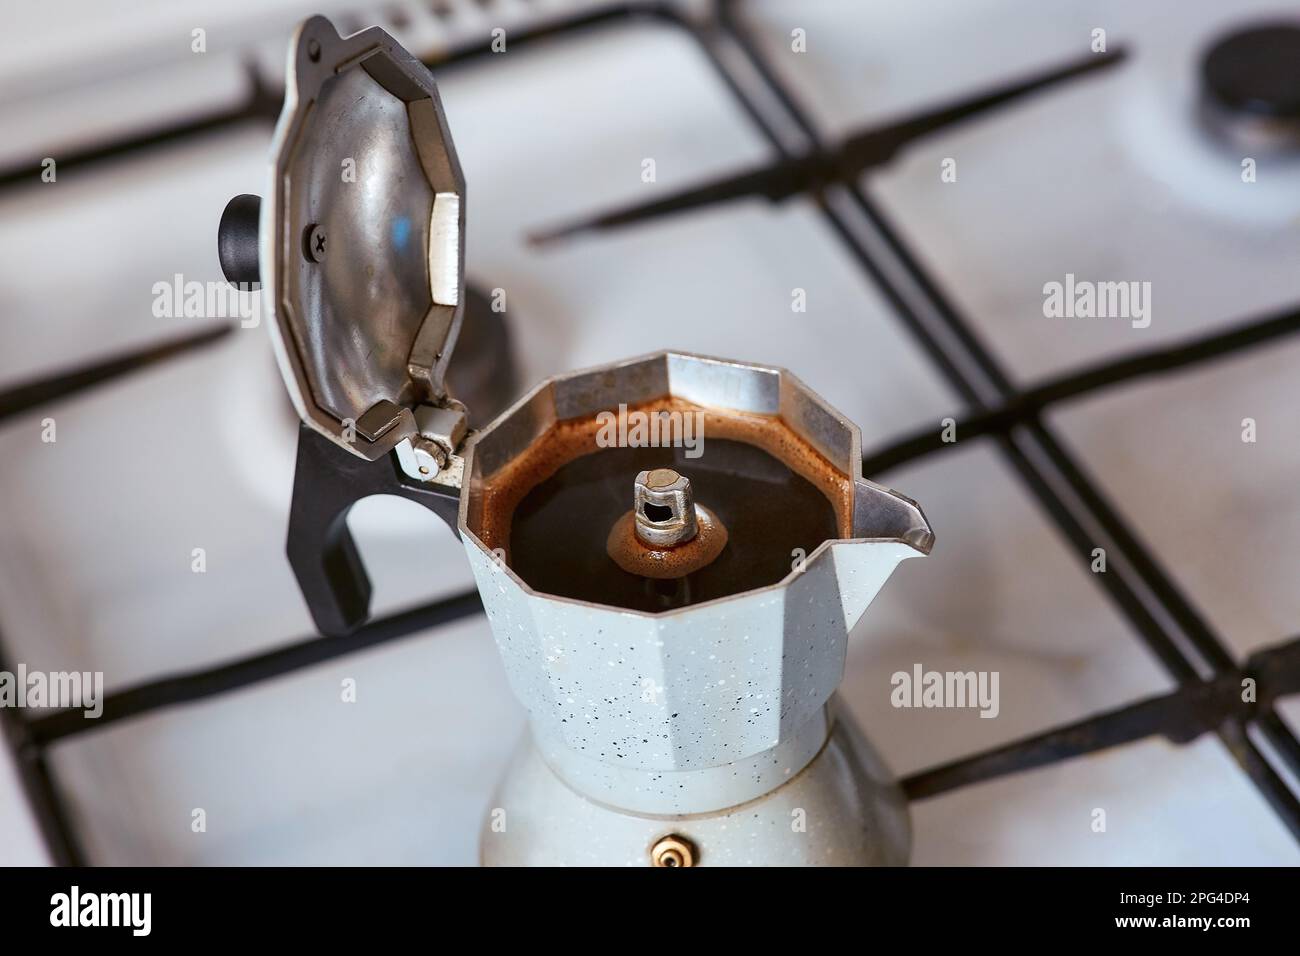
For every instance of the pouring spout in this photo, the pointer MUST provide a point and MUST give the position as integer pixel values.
(861, 570)
(879, 513)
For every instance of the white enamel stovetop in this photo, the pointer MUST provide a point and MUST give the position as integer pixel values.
(1102, 178)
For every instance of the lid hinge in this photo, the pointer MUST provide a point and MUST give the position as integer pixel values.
(433, 455)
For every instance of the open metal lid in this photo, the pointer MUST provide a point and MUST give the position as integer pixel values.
(362, 254)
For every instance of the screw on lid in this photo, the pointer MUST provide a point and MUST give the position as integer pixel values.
(363, 237)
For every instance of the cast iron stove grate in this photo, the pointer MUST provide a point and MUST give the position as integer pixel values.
(1208, 695)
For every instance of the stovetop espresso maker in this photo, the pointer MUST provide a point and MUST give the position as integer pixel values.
(671, 549)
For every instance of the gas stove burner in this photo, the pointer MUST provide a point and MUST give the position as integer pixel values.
(1212, 118)
(1251, 88)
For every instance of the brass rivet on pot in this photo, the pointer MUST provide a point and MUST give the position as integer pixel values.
(673, 850)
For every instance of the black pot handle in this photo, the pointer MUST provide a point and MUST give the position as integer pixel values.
(327, 482)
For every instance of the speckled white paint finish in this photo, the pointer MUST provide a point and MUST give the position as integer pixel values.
(708, 707)
(842, 810)
(690, 689)
(703, 790)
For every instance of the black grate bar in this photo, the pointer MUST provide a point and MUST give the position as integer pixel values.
(558, 26)
(1181, 716)
(138, 700)
(1086, 381)
(812, 170)
(1267, 780)
(1032, 449)
(262, 103)
(199, 685)
(31, 395)
(47, 804)
(955, 362)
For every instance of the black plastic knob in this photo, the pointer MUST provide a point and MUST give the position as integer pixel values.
(237, 239)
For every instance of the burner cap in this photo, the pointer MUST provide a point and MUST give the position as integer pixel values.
(1250, 98)
(1256, 72)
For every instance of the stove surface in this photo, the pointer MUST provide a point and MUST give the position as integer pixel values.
(1104, 178)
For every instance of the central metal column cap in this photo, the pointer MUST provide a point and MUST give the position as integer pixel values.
(664, 507)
